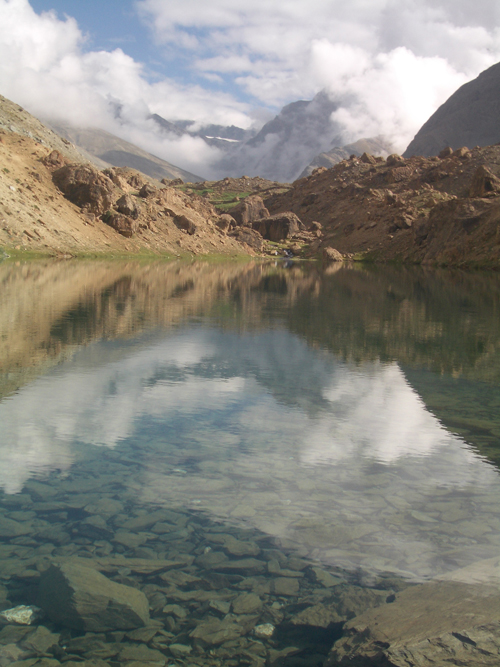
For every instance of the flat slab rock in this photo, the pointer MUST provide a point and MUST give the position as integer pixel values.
(439, 623)
(79, 597)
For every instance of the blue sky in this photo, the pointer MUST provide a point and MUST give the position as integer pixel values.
(388, 64)
(117, 24)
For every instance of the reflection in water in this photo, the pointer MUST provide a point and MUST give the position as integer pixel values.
(347, 463)
(245, 444)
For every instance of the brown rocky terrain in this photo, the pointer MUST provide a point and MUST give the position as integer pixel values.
(35, 214)
(443, 210)
(55, 201)
(440, 210)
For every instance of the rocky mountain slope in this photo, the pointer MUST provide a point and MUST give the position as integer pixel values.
(54, 201)
(442, 210)
(287, 143)
(470, 117)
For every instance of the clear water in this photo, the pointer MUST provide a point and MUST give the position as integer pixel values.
(295, 434)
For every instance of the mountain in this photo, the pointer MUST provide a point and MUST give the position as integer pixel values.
(287, 143)
(221, 136)
(470, 117)
(110, 150)
(55, 201)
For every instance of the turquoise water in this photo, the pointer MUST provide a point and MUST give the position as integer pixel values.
(301, 436)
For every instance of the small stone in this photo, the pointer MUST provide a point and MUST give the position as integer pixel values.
(285, 586)
(175, 609)
(40, 640)
(317, 616)
(221, 606)
(22, 615)
(325, 578)
(10, 528)
(76, 596)
(264, 631)
(245, 565)
(142, 654)
(179, 650)
(247, 603)
(104, 507)
(142, 634)
(13, 634)
(130, 540)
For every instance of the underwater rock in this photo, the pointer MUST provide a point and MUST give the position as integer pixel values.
(22, 615)
(79, 597)
(445, 623)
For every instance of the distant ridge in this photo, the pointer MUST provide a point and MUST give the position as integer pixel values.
(470, 117)
(116, 152)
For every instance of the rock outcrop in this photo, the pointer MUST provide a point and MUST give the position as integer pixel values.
(86, 187)
(434, 210)
(249, 211)
(77, 596)
(279, 227)
(439, 623)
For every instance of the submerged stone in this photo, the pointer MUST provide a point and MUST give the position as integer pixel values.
(247, 603)
(438, 623)
(79, 597)
(40, 640)
(264, 631)
(22, 615)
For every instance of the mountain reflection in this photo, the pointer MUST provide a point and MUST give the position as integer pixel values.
(208, 412)
(279, 398)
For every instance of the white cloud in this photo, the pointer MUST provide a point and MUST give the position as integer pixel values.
(388, 63)
(43, 67)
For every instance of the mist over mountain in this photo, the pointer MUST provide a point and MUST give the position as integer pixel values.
(106, 149)
(470, 117)
(286, 144)
(299, 138)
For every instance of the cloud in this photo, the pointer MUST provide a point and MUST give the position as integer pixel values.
(387, 64)
(44, 67)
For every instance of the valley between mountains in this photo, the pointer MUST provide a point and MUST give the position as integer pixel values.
(55, 200)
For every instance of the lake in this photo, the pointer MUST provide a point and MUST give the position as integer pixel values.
(242, 443)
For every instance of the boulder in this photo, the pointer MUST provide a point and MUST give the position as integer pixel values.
(395, 160)
(249, 210)
(249, 236)
(437, 623)
(332, 255)
(185, 223)
(366, 158)
(278, 227)
(121, 223)
(446, 152)
(128, 206)
(86, 187)
(147, 190)
(225, 222)
(484, 183)
(79, 597)
(54, 160)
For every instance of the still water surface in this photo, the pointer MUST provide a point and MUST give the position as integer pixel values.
(306, 434)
